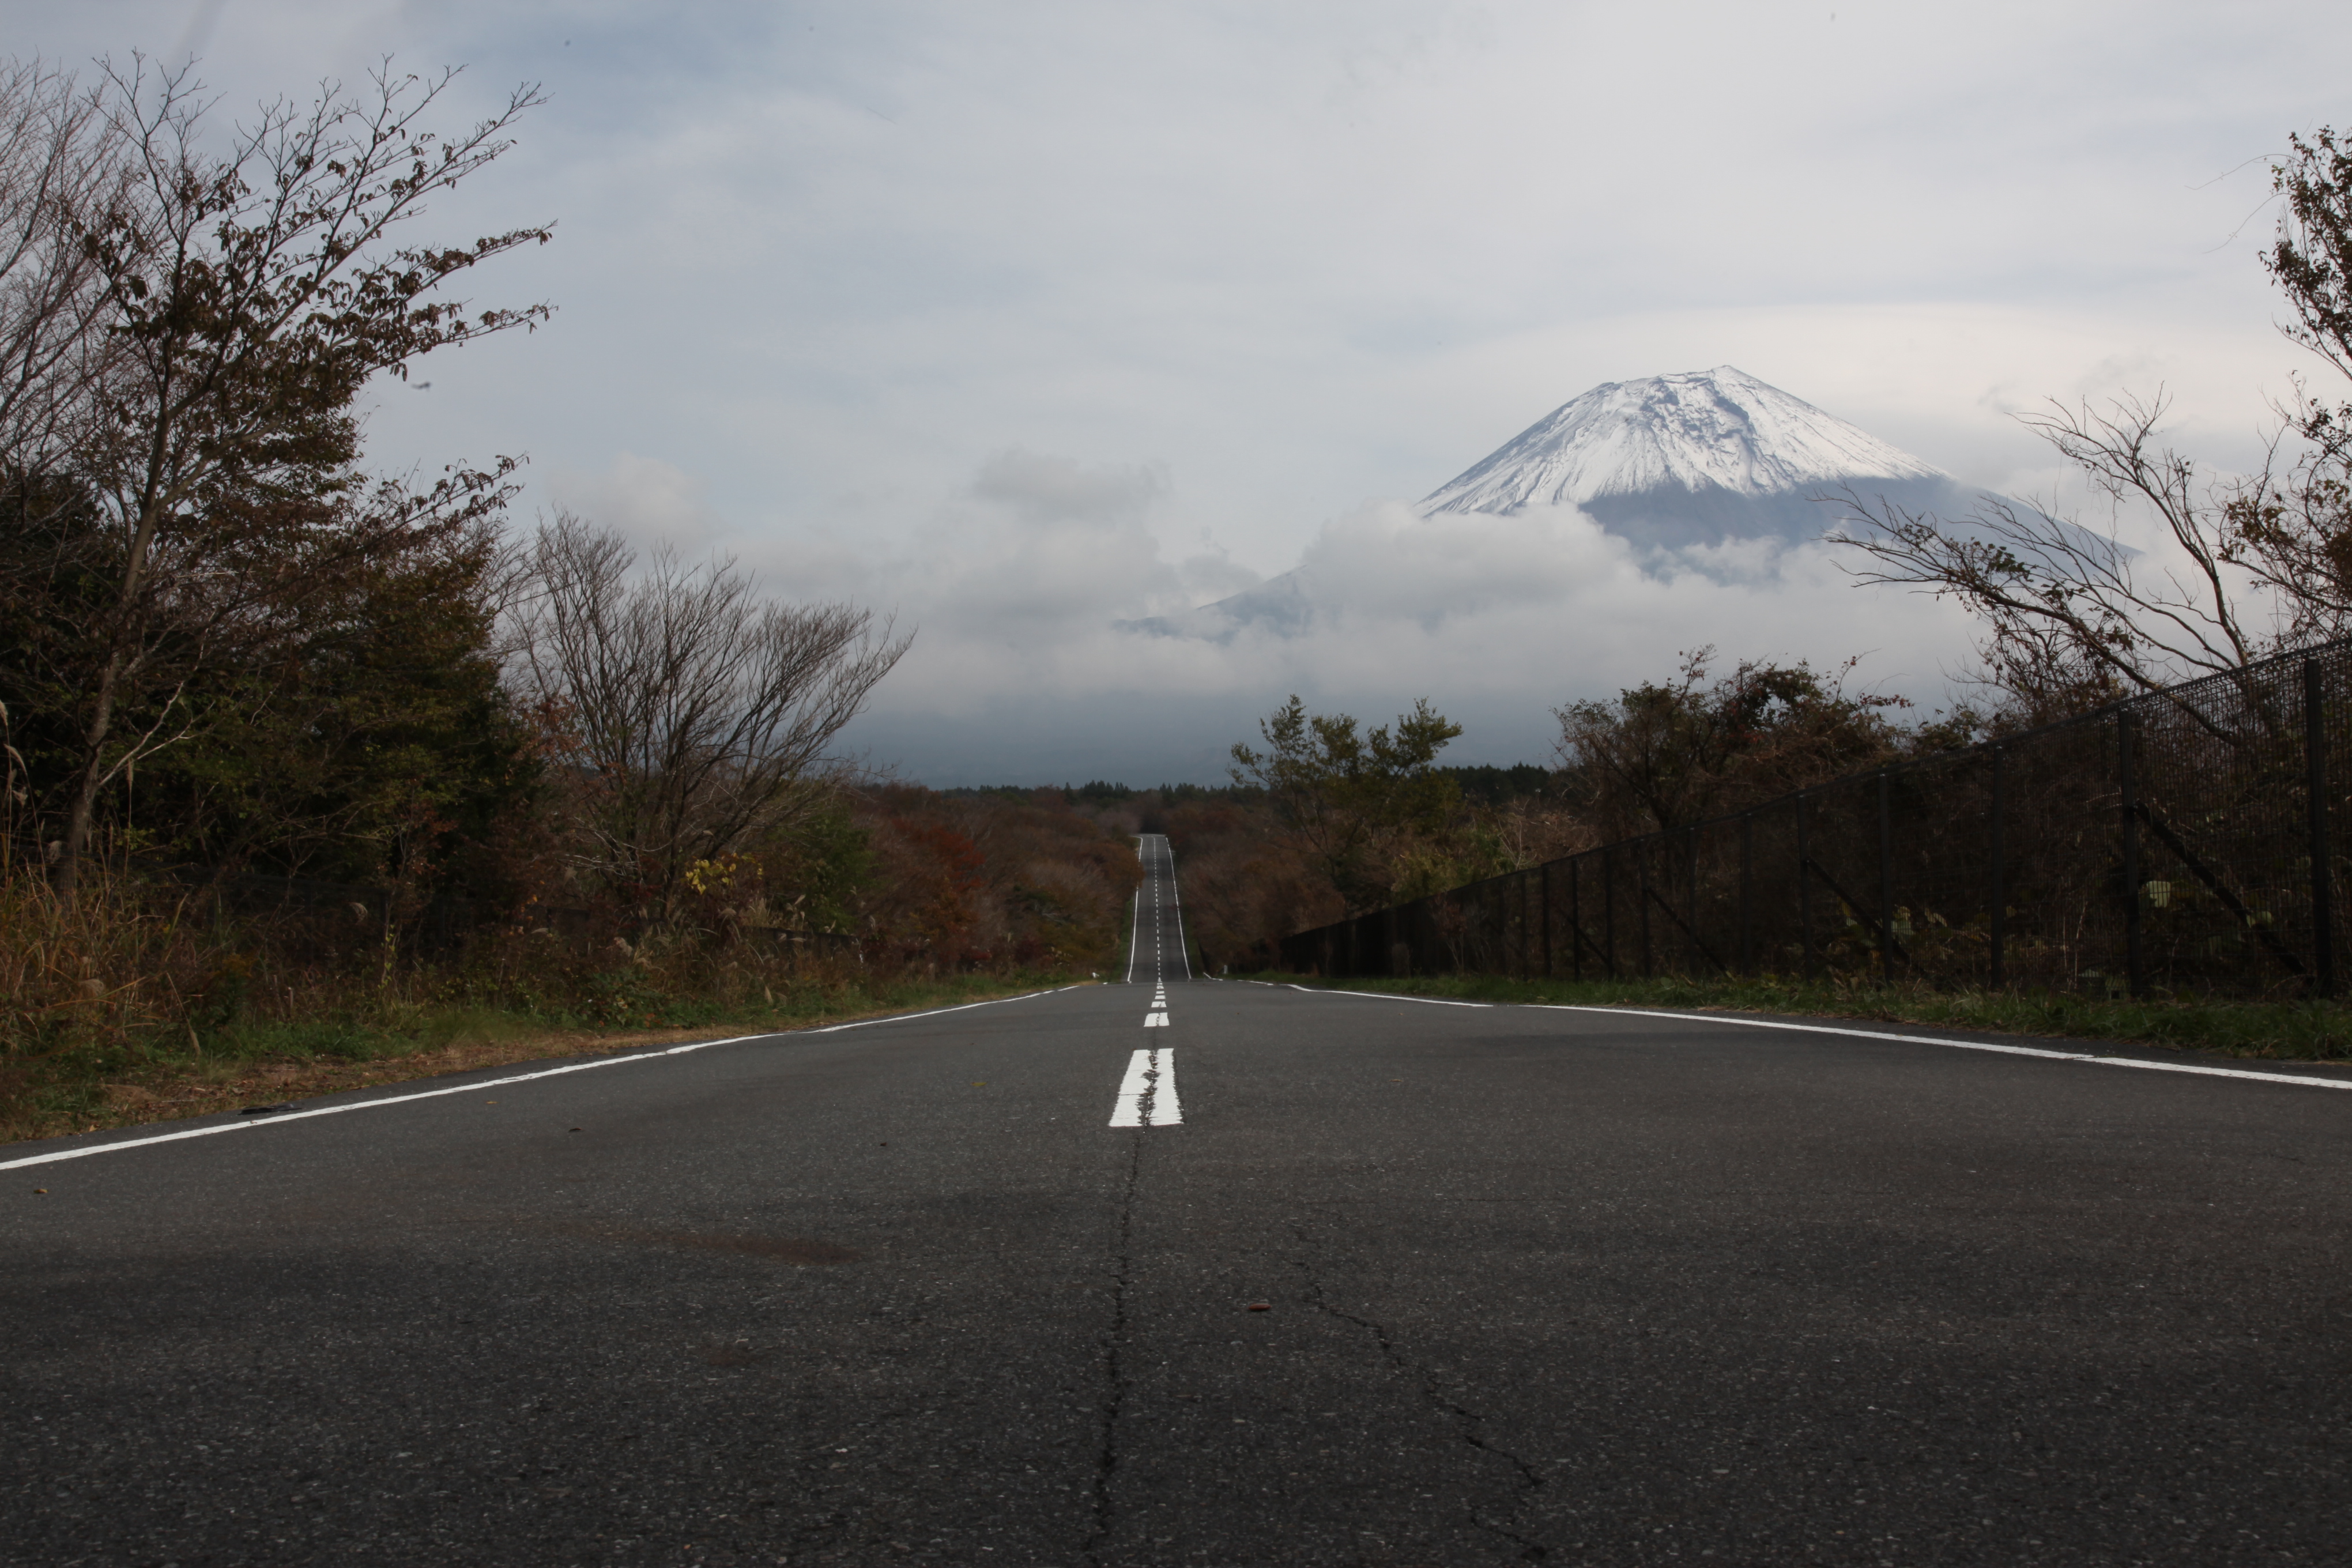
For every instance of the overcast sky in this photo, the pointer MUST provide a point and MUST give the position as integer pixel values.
(1019, 319)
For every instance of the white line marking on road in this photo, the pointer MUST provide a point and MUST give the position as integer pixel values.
(1135, 937)
(1147, 1096)
(900, 1017)
(284, 1116)
(1155, 1020)
(1968, 1045)
(1387, 996)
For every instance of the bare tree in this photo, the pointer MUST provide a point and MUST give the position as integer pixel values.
(2057, 597)
(699, 714)
(244, 299)
(62, 166)
(2264, 559)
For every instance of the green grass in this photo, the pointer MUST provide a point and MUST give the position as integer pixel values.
(2306, 1031)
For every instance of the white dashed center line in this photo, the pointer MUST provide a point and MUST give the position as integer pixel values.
(1147, 1097)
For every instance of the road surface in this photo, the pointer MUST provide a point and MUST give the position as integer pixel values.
(1287, 1277)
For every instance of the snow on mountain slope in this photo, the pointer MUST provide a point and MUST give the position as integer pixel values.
(1700, 430)
(1710, 471)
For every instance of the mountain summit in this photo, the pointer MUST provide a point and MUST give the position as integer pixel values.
(1719, 428)
(1669, 463)
(1692, 458)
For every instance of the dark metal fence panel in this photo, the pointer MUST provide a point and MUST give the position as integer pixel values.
(2185, 842)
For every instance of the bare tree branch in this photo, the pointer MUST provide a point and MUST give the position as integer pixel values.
(2056, 595)
(61, 163)
(700, 714)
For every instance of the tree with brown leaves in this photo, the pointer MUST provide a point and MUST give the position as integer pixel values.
(242, 300)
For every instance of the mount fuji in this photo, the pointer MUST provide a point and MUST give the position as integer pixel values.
(1694, 458)
(1668, 463)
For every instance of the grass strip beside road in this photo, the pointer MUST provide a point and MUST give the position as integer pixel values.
(95, 1087)
(2276, 1031)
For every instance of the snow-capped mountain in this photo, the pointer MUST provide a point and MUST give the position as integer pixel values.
(1690, 459)
(1667, 463)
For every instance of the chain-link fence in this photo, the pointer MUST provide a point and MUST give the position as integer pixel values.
(2175, 844)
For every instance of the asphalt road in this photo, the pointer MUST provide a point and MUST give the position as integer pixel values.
(1537, 1285)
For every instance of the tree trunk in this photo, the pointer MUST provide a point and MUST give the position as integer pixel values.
(102, 718)
(93, 772)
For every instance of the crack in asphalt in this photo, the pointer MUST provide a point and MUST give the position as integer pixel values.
(1466, 1421)
(1114, 1375)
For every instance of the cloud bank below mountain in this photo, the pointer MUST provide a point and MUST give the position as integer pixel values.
(1059, 636)
(1034, 659)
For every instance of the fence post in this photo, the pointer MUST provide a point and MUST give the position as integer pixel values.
(1525, 972)
(2323, 879)
(1576, 918)
(2126, 743)
(1747, 892)
(1693, 900)
(1885, 882)
(1641, 898)
(1999, 877)
(1609, 910)
(1804, 892)
(1543, 897)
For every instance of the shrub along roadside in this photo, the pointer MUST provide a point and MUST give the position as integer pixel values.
(156, 1075)
(2305, 1031)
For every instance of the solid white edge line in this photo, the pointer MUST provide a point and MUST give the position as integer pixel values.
(1385, 996)
(1135, 932)
(1182, 956)
(2295, 1079)
(281, 1119)
(903, 1017)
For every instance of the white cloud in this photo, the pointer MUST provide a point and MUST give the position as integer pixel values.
(1250, 266)
(1021, 666)
(645, 501)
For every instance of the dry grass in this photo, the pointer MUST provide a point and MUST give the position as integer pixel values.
(140, 1002)
(168, 1089)
(114, 957)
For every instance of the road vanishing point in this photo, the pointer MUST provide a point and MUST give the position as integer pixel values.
(1175, 1272)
